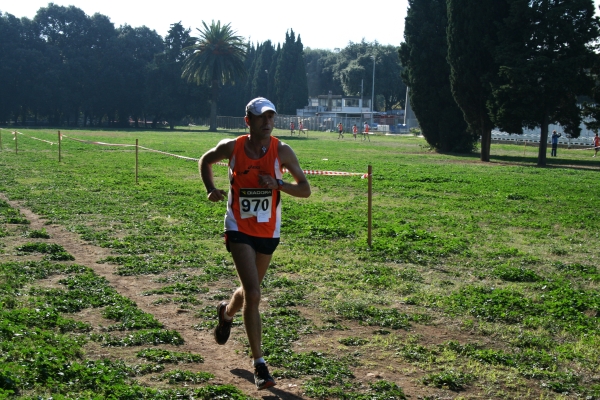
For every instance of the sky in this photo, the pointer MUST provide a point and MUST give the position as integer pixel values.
(321, 24)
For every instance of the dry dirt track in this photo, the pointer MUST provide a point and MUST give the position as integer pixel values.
(228, 363)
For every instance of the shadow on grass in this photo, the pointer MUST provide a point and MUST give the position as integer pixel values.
(277, 392)
(553, 162)
(530, 161)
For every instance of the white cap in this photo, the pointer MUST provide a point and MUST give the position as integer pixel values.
(259, 105)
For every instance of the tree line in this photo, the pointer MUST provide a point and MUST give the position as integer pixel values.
(470, 66)
(511, 64)
(65, 68)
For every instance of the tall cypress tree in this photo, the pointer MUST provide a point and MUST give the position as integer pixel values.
(472, 40)
(427, 74)
(545, 54)
(291, 87)
(167, 95)
(260, 77)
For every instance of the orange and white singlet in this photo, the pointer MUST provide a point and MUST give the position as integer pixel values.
(251, 209)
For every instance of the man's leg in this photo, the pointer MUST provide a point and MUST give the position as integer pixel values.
(251, 268)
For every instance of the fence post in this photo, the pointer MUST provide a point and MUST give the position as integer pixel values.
(136, 161)
(370, 205)
(59, 154)
(16, 144)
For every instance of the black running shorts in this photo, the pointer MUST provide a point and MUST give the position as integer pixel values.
(260, 245)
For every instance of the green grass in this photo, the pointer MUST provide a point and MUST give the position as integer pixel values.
(501, 254)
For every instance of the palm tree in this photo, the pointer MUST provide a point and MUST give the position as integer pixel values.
(217, 57)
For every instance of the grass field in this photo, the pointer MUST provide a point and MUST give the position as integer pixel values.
(481, 282)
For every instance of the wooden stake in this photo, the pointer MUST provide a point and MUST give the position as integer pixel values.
(59, 154)
(370, 205)
(136, 161)
(16, 140)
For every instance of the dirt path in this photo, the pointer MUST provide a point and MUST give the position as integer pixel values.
(228, 363)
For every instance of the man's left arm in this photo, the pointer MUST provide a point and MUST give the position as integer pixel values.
(300, 187)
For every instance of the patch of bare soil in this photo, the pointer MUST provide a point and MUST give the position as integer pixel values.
(229, 363)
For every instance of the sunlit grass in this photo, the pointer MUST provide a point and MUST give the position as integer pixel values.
(501, 250)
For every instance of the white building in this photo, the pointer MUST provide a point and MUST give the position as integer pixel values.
(336, 106)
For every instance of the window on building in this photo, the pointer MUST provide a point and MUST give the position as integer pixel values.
(351, 102)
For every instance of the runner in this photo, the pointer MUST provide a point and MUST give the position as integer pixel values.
(253, 218)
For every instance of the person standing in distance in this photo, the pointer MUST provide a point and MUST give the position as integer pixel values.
(596, 140)
(555, 137)
(253, 217)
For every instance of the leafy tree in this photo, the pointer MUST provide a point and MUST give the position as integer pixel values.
(97, 100)
(132, 51)
(545, 53)
(427, 74)
(355, 69)
(291, 88)
(168, 95)
(22, 60)
(69, 31)
(218, 56)
(472, 40)
(320, 68)
(388, 78)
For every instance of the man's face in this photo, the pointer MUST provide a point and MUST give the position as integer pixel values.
(263, 123)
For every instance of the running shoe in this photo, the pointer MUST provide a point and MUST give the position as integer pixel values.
(262, 378)
(223, 329)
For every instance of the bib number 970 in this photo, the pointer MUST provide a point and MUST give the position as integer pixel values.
(256, 203)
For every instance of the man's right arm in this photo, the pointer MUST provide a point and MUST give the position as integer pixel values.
(220, 152)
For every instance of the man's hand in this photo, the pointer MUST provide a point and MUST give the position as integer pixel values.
(216, 195)
(267, 182)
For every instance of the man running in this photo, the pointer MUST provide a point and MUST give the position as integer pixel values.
(253, 218)
(340, 130)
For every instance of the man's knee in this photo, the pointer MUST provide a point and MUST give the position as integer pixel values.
(252, 296)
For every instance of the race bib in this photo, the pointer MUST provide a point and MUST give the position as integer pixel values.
(256, 203)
